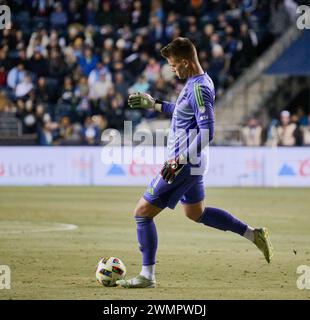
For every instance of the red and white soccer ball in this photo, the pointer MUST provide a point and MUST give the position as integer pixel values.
(109, 270)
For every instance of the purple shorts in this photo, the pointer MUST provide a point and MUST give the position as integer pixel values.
(187, 188)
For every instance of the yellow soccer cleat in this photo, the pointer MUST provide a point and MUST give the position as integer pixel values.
(263, 243)
(137, 282)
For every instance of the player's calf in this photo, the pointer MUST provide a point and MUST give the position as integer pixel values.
(223, 220)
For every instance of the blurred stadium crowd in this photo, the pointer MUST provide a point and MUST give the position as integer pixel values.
(289, 130)
(66, 67)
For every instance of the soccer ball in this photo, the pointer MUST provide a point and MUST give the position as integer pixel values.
(109, 270)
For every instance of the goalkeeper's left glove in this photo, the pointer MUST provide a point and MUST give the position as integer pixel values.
(141, 100)
(171, 169)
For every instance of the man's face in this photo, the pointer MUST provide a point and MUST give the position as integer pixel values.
(178, 67)
(285, 119)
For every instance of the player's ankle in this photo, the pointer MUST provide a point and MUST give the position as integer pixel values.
(249, 233)
(148, 272)
(148, 277)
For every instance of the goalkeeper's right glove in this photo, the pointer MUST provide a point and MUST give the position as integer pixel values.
(141, 100)
(172, 168)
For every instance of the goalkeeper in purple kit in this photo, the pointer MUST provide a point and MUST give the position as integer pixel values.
(181, 177)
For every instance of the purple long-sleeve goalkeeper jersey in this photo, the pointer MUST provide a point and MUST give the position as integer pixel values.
(192, 124)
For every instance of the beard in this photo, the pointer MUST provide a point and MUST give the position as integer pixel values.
(182, 73)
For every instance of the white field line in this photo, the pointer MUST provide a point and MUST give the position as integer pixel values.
(19, 227)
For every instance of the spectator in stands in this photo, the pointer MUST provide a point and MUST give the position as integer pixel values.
(76, 137)
(41, 115)
(141, 85)
(5, 61)
(3, 75)
(5, 103)
(95, 73)
(68, 92)
(295, 120)
(137, 16)
(21, 58)
(82, 88)
(105, 15)
(83, 107)
(286, 131)
(252, 133)
(193, 33)
(99, 88)
(59, 17)
(65, 129)
(37, 43)
(16, 76)
(28, 118)
(217, 69)
(90, 13)
(120, 84)
(76, 50)
(208, 31)
(42, 91)
(88, 61)
(230, 42)
(56, 66)
(24, 87)
(38, 64)
(305, 132)
(115, 113)
(121, 9)
(46, 134)
(160, 90)
(303, 119)
(91, 132)
(75, 13)
(151, 71)
(171, 24)
(245, 48)
(156, 32)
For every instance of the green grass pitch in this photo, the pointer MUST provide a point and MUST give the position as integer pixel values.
(194, 262)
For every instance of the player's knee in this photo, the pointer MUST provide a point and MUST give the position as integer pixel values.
(146, 210)
(195, 215)
(142, 210)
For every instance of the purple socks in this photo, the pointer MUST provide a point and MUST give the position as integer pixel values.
(212, 217)
(220, 219)
(147, 238)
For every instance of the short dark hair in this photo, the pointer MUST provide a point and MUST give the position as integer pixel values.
(179, 48)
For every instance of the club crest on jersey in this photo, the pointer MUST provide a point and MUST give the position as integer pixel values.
(199, 98)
